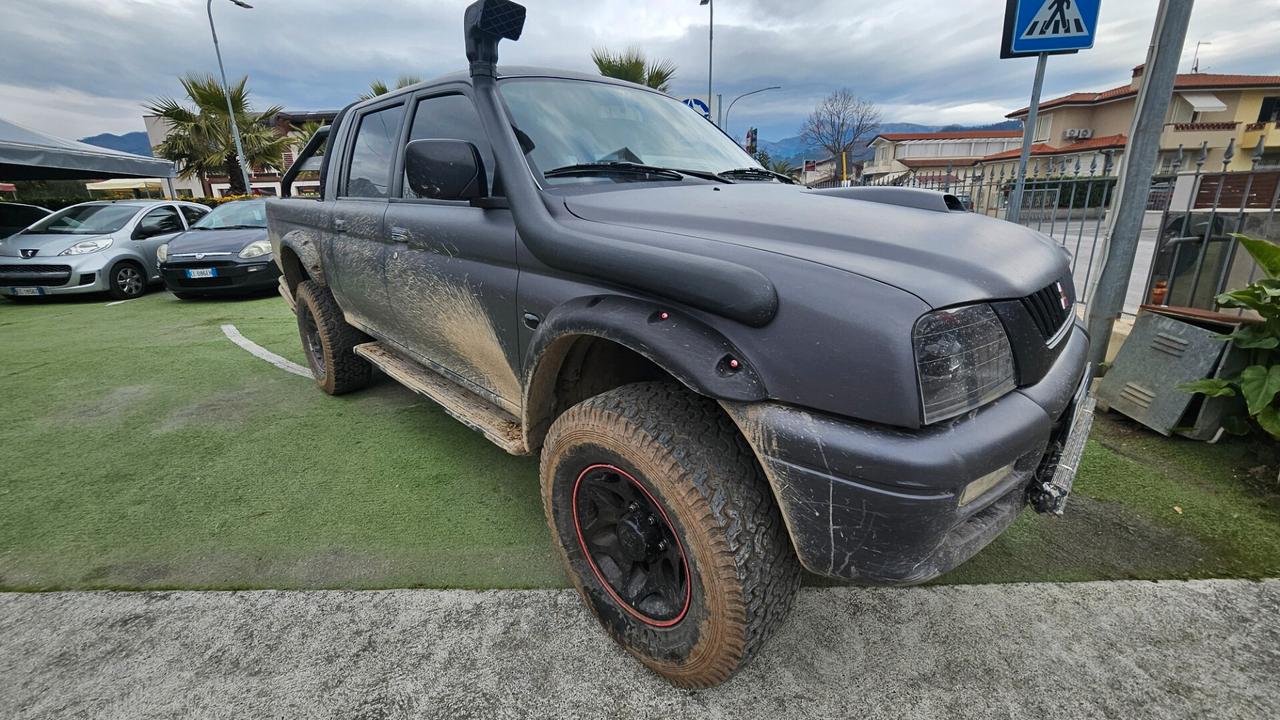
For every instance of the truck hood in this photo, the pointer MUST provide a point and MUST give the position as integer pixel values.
(206, 241)
(944, 258)
(46, 245)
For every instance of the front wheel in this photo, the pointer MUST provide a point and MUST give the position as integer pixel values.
(128, 280)
(668, 530)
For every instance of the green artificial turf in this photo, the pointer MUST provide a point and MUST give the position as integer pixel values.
(142, 449)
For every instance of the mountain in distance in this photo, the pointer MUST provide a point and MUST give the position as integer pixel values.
(796, 150)
(134, 142)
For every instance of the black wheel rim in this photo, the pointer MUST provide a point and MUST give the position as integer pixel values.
(129, 280)
(311, 341)
(631, 546)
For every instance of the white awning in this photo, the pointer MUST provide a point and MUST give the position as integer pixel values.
(1204, 102)
(124, 184)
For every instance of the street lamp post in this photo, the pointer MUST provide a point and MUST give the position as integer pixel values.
(753, 92)
(711, 35)
(231, 113)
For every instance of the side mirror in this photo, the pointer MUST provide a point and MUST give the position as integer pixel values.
(445, 170)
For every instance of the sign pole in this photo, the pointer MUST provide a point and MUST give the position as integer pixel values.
(1028, 135)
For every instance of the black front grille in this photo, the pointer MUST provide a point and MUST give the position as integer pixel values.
(34, 268)
(35, 275)
(1046, 308)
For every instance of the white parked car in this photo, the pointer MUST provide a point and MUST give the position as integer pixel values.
(106, 246)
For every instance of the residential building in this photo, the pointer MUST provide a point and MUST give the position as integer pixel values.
(262, 180)
(900, 154)
(1207, 110)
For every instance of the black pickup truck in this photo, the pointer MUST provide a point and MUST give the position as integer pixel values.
(728, 377)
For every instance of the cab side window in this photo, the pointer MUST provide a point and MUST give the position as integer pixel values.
(450, 117)
(369, 174)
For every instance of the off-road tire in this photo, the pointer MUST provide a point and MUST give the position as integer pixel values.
(336, 367)
(119, 289)
(688, 456)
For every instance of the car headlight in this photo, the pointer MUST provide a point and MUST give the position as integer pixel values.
(87, 246)
(162, 252)
(257, 248)
(963, 359)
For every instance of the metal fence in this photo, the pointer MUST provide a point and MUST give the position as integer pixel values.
(1186, 253)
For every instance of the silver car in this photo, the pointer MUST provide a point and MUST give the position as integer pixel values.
(107, 246)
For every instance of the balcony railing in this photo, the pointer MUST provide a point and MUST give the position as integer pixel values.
(1205, 126)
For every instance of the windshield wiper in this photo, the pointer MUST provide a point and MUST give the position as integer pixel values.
(755, 172)
(614, 167)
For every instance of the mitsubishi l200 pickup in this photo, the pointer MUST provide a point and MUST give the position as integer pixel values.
(728, 377)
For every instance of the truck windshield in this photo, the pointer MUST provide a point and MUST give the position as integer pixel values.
(578, 124)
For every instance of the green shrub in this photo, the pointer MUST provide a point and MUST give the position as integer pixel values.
(1259, 383)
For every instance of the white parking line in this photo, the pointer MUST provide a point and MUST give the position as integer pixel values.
(260, 352)
(120, 301)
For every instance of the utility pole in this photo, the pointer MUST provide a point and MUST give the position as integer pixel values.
(1135, 181)
(1028, 136)
(711, 36)
(231, 112)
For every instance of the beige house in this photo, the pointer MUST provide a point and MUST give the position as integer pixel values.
(898, 155)
(1207, 108)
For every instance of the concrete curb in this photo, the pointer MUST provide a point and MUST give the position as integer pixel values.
(1119, 649)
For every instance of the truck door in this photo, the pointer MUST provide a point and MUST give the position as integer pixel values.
(356, 252)
(451, 271)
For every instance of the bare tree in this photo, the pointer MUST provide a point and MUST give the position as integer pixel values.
(842, 122)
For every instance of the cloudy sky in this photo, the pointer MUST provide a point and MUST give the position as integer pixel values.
(81, 67)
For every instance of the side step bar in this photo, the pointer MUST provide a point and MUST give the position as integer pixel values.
(498, 425)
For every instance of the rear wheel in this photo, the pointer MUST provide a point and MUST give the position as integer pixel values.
(328, 341)
(668, 529)
(128, 280)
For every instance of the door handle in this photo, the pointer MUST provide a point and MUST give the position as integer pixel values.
(339, 224)
(399, 235)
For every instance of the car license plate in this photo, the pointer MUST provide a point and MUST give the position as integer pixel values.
(202, 273)
(26, 292)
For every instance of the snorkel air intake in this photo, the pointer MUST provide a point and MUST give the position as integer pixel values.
(627, 257)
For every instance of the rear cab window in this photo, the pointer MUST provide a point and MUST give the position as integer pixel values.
(373, 153)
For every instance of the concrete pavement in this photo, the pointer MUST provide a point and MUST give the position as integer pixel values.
(1203, 649)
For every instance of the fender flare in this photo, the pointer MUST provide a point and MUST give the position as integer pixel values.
(692, 352)
(306, 248)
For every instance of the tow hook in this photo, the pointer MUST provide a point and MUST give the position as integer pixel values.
(1045, 497)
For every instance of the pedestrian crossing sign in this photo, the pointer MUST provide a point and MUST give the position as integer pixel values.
(1032, 27)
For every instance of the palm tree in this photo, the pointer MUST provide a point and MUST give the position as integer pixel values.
(377, 87)
(782, 166)
(302, 134)
(200, 139)
(631, 66)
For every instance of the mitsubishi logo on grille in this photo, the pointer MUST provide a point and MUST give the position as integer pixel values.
(1062, 296)
(29, 253)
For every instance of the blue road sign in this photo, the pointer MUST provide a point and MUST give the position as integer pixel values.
(1032, 27)
(698, 105)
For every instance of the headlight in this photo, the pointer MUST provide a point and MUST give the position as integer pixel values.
(964, 360)
(257, 248)
(162, 252)
(87, 246)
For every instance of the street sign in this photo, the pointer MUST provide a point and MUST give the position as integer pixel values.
(700, 106)
(1048, 27)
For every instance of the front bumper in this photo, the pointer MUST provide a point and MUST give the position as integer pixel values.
(56, 275)
(230, 276)
(882, 505)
